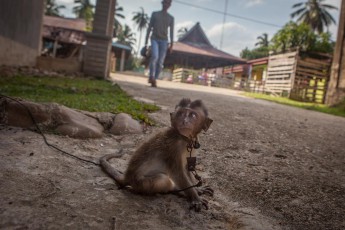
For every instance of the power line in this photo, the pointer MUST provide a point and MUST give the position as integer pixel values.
(227, 14)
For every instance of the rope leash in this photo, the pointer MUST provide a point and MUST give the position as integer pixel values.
(44, 137)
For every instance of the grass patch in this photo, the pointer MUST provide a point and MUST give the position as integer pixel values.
(338, 110)
(78, 93)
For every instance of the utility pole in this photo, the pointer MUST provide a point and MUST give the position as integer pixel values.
(224, 19)
(336, 86)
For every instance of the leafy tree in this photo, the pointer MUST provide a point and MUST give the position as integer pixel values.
(254, 53)
(126, 36)
(315, 14)
(293, 35)
(263, 40)
(84, 9)
(181, 32)
(324, 44)
(141, 20)
(53, 9)
(117, 24)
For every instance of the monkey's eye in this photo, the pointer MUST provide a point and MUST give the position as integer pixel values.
(179, 114)
(193, 115)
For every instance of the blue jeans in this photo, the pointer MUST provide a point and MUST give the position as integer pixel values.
(158, 52)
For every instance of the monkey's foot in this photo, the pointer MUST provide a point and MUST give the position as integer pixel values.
(205, 190)
(198, 204)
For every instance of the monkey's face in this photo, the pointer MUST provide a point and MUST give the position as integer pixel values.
(189, 122)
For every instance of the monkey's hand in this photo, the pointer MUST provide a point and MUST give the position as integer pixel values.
(198, 203)
(205, 190)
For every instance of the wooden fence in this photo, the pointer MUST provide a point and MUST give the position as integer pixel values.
(190, 76)
(299, 77)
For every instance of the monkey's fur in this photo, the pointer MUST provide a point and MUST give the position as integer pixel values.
(160, 164)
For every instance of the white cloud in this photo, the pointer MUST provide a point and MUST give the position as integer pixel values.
(236, 37)
(250, 3)
(187, 24)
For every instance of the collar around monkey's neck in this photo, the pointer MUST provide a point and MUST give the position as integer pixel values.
(192, 142)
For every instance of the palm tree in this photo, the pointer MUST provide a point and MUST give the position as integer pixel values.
(181, 32)
(126, 36)
(263, 40)
(117, 25)
(84, 9)
(53, 9)
(314, 13)
(142, 20)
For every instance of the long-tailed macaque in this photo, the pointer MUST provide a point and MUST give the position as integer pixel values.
(160, 164)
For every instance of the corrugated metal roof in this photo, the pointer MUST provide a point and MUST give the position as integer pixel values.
(64, 29)
(65, 23)
(121, 46)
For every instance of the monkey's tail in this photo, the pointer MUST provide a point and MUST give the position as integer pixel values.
(112, 172)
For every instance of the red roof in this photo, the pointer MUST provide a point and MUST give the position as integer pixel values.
(205, 51)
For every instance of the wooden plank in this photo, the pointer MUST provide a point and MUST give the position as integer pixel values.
(278, 82)
(311, 73)
(312, 65)
(306, 77)
(281, 68)
(278, 85)
(281, 87)
(281, 63)
(277, 76)
(272, 73)
(316, 61)
(323, 70)
(278, 56)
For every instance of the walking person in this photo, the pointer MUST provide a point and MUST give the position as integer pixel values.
(160, 21)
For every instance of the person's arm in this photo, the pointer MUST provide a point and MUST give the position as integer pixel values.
(149, 29)
(171, 35)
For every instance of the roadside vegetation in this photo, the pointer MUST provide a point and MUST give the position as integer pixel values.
(338, 110)
(79, 93)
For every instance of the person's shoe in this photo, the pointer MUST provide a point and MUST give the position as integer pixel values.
(150, 80)
(153, 83)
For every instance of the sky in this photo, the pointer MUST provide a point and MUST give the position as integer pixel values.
(244, 22)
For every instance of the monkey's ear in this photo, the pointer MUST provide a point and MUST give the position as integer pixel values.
(183, 103)
(207, 124)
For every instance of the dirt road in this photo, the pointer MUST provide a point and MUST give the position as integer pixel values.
(272, 167)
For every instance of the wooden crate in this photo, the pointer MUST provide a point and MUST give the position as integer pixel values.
(311, 78)
(280, 73)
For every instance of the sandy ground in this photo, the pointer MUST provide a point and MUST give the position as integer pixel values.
(271, 166)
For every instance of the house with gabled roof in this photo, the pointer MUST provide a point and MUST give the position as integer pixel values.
(64, 42)
(195, 51)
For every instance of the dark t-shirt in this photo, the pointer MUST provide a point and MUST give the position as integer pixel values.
(159, 23)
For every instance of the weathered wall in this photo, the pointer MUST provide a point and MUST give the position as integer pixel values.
(336, 87)
(98, 47)
(20, 31)
(67, 65)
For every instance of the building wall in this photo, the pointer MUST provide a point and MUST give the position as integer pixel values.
(20, 31)
(98, 48)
